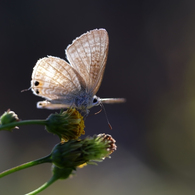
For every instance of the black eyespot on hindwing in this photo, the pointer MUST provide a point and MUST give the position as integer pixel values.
(36, 83)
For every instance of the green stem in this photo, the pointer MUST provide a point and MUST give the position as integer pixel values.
(44, 186)
(45, 159)
(25, 122)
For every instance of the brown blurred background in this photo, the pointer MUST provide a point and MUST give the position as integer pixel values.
(151, 63)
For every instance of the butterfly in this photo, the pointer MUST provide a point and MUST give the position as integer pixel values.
(76, 83)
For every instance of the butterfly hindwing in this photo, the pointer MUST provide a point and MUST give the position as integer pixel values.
(53, 78)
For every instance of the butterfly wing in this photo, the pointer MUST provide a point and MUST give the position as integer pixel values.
(88, 55)
(55, 80)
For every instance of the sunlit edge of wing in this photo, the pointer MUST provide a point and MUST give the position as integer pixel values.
(96, 86)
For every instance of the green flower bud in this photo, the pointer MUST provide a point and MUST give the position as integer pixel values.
(75, 153)
(68, 125)
(7, 118)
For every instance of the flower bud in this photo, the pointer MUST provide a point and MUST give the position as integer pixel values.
(75, 153)
(7, 118)
(68, 125)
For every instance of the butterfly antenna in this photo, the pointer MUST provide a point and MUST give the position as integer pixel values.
(99, 111)
(26, 89)
(102, 106)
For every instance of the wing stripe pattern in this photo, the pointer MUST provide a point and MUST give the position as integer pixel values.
(68, 76)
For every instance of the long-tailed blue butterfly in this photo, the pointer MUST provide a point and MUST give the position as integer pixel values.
(76, 83)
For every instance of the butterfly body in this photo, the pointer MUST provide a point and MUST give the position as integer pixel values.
(82, 101)
(76, 83)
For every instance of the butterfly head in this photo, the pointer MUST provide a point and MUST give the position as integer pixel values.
(86, 101)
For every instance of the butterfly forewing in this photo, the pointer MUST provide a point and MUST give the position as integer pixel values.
(53, 78)
(88, 54)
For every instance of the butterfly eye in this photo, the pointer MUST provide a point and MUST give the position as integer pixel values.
(36, 83)
(94, 100)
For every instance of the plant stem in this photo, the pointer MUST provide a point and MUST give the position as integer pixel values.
(45, 159)
(25, 122)
(44, 186)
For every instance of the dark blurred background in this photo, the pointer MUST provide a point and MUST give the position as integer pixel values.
(151, 63)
